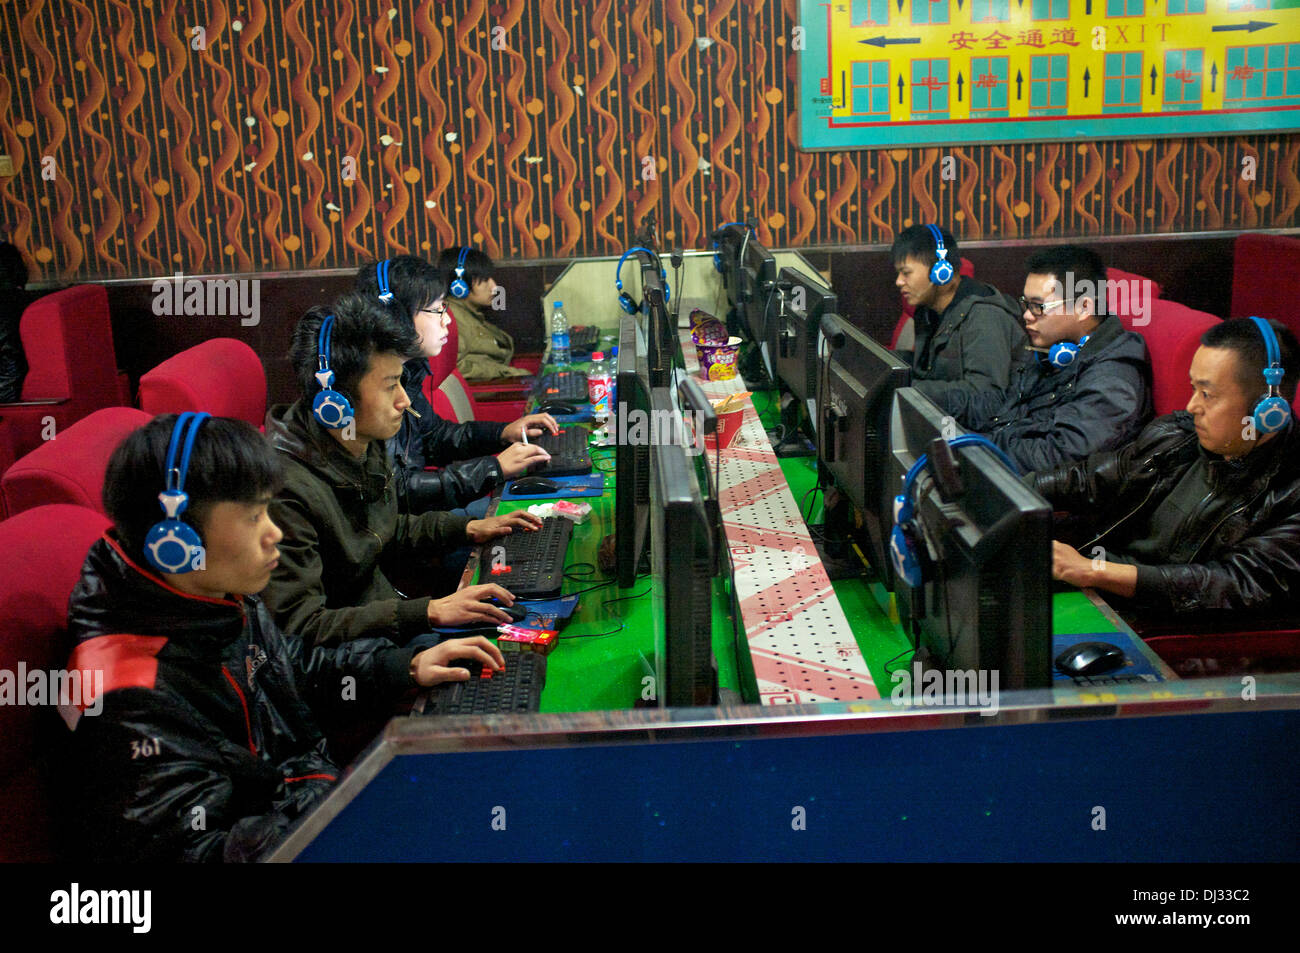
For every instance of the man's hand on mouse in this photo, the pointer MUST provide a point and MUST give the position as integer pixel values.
(536, 424)
(515, 459)
(430, 666)
(480, 531)
(466, 607)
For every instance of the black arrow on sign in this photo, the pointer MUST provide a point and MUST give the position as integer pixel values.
(900, 6)
(1153, 79)
(958, 4)
(882, 41)
(1214, 75)
(1088, 8)
(1250, 27)
(1020, 81)
(900, 90)
(1087, 78)
(960, 83)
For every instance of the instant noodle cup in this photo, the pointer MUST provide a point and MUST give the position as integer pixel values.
(699, 317)
(718, 361)
(710, 332)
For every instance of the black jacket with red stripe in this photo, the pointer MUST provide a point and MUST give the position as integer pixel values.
(205, 745)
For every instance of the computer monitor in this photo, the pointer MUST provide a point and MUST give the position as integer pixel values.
(757, 279)
(986, 602)
(855, 402)
(681, 547)
(794, 318)
(728, 240)
(632, 454)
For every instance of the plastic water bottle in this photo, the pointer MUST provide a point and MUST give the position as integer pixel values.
(613, 380)
(559, 336)
(599, 378)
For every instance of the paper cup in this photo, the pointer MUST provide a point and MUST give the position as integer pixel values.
(718, 361)
(728, 428)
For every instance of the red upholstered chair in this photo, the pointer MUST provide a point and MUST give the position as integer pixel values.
(70, 468)
(1173, 333)
(967, 269)
(1129, 295)
(73, 371)
(47, 547)
(1266, 278)
(457, 401)
(222, 377)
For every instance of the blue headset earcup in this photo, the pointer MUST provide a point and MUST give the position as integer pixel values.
(170, 546)
(330, 408)
(902, 554)
(941, 272)
(1272, 414)
(717, 258)
(459, 289)
(627, 304)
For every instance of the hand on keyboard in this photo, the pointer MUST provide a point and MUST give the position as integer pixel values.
(466, 607)
(430, 666)
(480, 531)
(518, 457)
(537, 425)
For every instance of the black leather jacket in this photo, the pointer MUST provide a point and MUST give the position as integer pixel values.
(433, 441)
(1240, 550)
(207, 745)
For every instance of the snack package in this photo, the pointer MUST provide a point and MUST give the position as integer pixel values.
(578, 512)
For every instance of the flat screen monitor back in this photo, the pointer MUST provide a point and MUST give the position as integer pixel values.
(854, 412)
(632, 460)
(794, 317)
(681, 551)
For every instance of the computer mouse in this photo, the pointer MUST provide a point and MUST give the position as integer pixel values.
(1090, 658)
(531, 486)
(516, 612)
(555, 407)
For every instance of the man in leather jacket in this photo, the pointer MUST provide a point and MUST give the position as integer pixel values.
(470, 456)
(1089, 386)
(1202, 511)
(338, 506)
(204, 742)
(968, 334)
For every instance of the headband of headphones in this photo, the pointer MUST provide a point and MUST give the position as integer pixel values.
(459, 286)
(381, 275)
(1273, 372)
(175, 481)
(627, 254)
(170, 545)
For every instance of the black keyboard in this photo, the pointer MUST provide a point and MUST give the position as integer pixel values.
(532, 562)
(583, 338)
(569, 453)
(488, 692)
(568, 387)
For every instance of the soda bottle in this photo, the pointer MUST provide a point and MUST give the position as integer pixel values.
(598, 381)
(559, 336)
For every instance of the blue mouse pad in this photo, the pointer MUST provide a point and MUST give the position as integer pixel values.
(548, 613)
(1135, 663)
(570, 487)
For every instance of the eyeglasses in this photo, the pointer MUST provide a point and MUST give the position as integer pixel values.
(1037, 308)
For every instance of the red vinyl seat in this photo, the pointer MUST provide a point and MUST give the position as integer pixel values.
(1173, 333)
(70, 468)
(452, 397)
(68, 341)
(47, 547)
(1266, 278)
(222, 377)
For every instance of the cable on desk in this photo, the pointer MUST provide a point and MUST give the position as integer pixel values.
(589, 589)
(589, 574)
(910, 650)
(610, 602)
(593, 635)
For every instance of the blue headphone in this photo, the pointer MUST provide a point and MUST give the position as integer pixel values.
(459, 286)
(171, 545)
(1272, 412)
(942, 271)
(624, 299)
(330, 408)
(1063, 353)
(904, 546)
(717, 246)
(381, 276)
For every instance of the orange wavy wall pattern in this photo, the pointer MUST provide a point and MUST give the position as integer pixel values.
(536, 128)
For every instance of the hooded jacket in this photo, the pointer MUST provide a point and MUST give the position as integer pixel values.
(484, 351)
(432, 441)
(202, 745)
(1052, 415)
(341, 523)
(972, 346)
(1239, 550)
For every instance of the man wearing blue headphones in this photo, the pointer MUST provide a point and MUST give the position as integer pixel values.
(207, 741)
(1087, 387)
(483, 350)
(967, 333)
(1201, 512)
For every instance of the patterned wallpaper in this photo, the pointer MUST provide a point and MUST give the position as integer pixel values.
(163, 135)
